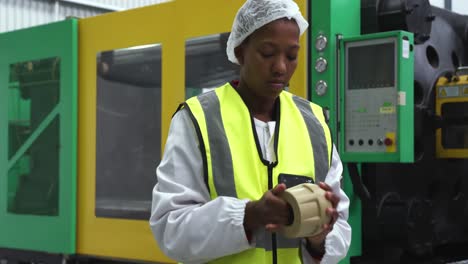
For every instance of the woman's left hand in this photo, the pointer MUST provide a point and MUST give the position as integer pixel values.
(318, 240)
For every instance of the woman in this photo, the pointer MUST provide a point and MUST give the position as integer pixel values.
(230, 153)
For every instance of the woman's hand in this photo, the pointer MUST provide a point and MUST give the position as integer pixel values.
(317, 241)
(270, 211)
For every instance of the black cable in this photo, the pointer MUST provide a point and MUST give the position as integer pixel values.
(274, 248)
(358, 186)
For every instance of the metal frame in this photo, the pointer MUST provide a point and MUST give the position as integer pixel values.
(88, 3)
(19, 256)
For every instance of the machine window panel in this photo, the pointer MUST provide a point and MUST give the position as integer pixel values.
(128, 130)
(455, 137)
(207, 65)
(455, 132)
(33, 137)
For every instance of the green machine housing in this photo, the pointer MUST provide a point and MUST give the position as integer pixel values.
(38, 138)
(376, 115)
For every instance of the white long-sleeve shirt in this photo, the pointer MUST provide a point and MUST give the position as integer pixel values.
(190, 227)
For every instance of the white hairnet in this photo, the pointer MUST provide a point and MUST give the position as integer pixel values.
(254, 14)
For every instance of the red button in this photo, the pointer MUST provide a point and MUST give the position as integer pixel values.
(388, 142)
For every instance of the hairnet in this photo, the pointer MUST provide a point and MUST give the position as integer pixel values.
(254, 14)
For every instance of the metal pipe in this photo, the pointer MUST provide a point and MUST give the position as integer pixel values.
(57, 9)
(338, 122)
(88, 3)
(448, 5)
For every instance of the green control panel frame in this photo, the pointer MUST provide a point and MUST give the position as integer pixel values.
(403, 142)
(331, 20)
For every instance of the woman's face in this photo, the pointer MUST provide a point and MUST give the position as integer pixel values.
(268, 58)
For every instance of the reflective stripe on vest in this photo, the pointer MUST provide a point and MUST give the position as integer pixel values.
(222, 161)
(234, 163)
(315, 127)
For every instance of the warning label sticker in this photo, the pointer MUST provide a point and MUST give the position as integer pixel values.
(465, 91)
(387, 109)
(449, 91)
(442, 92)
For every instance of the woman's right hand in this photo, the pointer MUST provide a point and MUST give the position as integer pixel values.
(270, 211)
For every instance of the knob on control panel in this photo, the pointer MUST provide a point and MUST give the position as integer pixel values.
(388, 142)
(380, 142)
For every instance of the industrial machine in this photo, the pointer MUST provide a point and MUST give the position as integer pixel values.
(418, 212)
(399, 118)
(83, 122)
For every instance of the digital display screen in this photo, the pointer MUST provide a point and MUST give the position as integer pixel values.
(371, 66)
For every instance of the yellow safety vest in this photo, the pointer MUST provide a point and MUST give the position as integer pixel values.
(234, 165)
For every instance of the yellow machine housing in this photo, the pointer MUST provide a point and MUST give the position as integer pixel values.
(169, 25)
(452, 113)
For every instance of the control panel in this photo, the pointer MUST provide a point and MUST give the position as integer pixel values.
(376, 123)
(370, 96)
